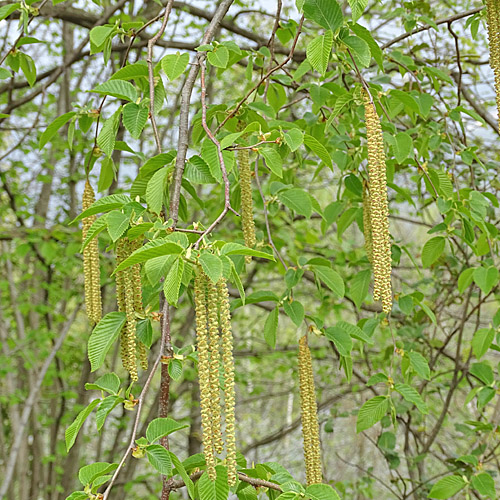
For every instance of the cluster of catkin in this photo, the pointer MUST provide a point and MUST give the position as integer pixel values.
(129, 299)
(243, 157)
(215, 363)
(493, 20)
(91, 269)
(309, 415)
(380, 241)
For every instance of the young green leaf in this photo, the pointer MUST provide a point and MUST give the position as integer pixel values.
(371, 412)
(271, 327)
(73, 429)
(175, 64)
(447, 487)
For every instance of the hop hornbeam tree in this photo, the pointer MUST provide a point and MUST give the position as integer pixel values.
(249, 249)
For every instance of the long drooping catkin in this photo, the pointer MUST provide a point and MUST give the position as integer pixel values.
(309, 415)
(229, 393)
(379, 208)
(214, 356)
(91, 269)
(493, 21)
(200, 298)
(367, 224)
(243, 157)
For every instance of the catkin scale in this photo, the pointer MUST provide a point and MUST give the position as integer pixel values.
(367, 224)
(91, 269)
(493, 22)
(379, 208)
(229, 391)
(309, 415)
(200, 299)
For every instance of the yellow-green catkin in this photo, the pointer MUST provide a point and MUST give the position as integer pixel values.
(243, 157)
(379, 208)
(367, 225)
(200, 299)
(493, 21)
(91, 269)
(229, 391)
(309, 415)
(214, 356)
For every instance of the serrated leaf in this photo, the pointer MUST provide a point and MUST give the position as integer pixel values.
(159, 458)
(447, 487)
(331, 279)
(185, 476)
(99, 34)
(117, 223)
(7, 10)
(366, 35)
(360, 50)
(172, 282)
(135, 118)
(357, 8)
(89, 473)
(403, 146)
(155, 190)
(145, 332)
(28, 67)
(354, 331)
(432, 250)
(212, 266)
(219, 57)
(486, 278)
(481, 341)
(161, 427)
(273, 161)
(198, 172)
(121, 89)
(485, 484)
(271, 327)
(109, 382)
(175, 64)
(465, 279)
(294, 138)
(52, 129)
(78, 495)
(318, 52)
(214, 490)
(371, 412)
(359, 286)
(298, 200)
(131, 71)
(107, 136)
(326, 13)
(318, 149)
(237, 249)
(103, 336)
(97, 227)
(104, 204)
(411, 395)
(105, 408)
(295, 311)
(341, 339)
(72, 430)
(321, 492)
(419, 364)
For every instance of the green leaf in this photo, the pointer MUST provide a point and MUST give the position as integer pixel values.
(100, 34)
(214, 490)
(357, 8)
(481, 341)
(117, 223)
(104, 204)
(155, 190)
(447, 487)
(197, 171)
(341, 339)
(483, 372)
(155, 248)
(465, 279)
(371, 412)
(271, 328)
(131, 72)
(52, 129)
(432, 250)
(135, 118)
(175, 64)
(161, 427)
(484, 484)
(89, 473)
(219, 57)
(212, 266)
(104, 335)
(173, 281)
(419, 365)
(121, 89)
(237, 249)
(411, 395)
(326, 13)
(28, 67)
(298, 200)
(273, 161)
(360, 50)
(145, 332)
(72, 430)
(318, 148)
(294, 138)
(185, 476)
(359, 285)
(78, 495)
(107, 136)
(486, 278)
(160, 459)
(7, 10)
(295, 311)
(318, 52)
(355, 331)
(403, 147)
(109, 382)
(97, 227)
(331, 279)
(105, 408)
(4, 73)
(321, 492)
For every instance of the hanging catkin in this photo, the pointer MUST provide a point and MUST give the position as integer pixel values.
(91, 270)
(493, 21)
(243, 157)
(309, 415)
(200, 297)
(367, 225)
(229, 393)
(379, 209)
